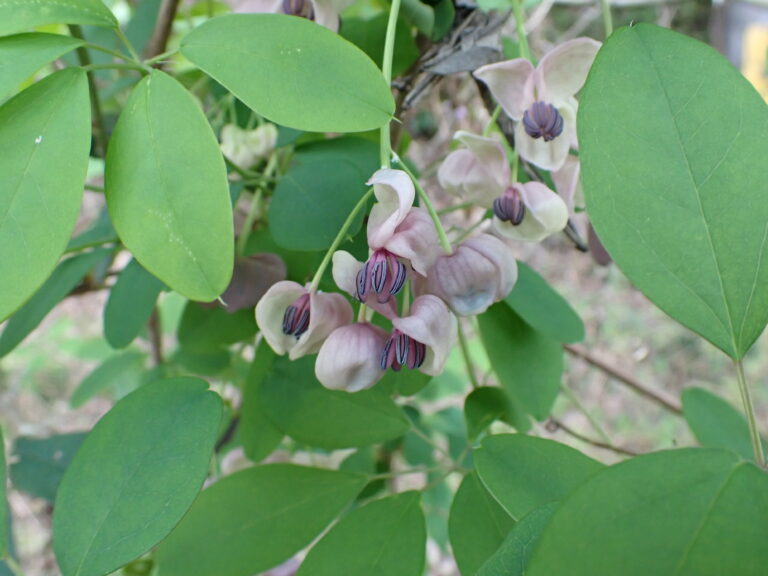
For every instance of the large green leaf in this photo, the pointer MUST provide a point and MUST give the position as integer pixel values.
(45, 135)
(130, 304)
(292, 71)
(316, 194)
(690, 512)
(124, 368)
(167, 193)
(487, 404)
(24, 54)
(514, 554)
(369, 35)
(255, 519)
(477, 525)
(673, 148)
(302, 408)
(715, 423)
(536, 302)
(528, 363)
(39, 463)
(66, 276)
(525, 472)
(4, 534)
(135, 476)
(23, 15)
(256, 432)
(204, 328)
(386, 537)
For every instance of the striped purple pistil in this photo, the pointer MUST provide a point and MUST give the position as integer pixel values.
(383, 275)
(402, 350)
(542, 120)
(296, 317)
(509, 207)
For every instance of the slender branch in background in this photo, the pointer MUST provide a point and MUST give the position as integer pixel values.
(228, 434)
(99, 134)
(656, 396)
(157, 45)
(155, 337)
(571, 395)
(749, 410)
(467, 358)
(553, 425)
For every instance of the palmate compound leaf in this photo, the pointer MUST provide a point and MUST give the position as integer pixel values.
(693, 512)
(135, 476)
(23, 15)
(44, 140)
(673, 148)
(255, 519)
(292, 71)
(167, 192)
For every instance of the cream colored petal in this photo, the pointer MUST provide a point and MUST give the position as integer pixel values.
(431, 323)
(545, 214)
(547, 155)
(567, 182)
(394, 193)
(350, 358)
(270, 311)
(563, 71)
(497, 251)
(511, 84)
(416, 240)
(326, 313)
(257, 6)
(326, 14)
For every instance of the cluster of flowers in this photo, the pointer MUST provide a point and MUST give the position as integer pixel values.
(405, 252)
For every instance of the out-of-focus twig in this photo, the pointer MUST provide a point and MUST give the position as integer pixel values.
(159, 41)
(554, 424)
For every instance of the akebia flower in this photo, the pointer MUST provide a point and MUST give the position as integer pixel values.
(324, 12)
(350, 357)
(541, 99)
(480, 271)
(297, 321)
(480, 173)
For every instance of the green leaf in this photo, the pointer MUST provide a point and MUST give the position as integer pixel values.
(514, 554)
(302, 408)
(369, 35)
(386, 537)
(404, 382)
(673, 165)
(257, 433)
(529, 364)
(715, 423)
(39, 463)
(66, 276)
(24, 54)
(299, 74)
(45, 134)
(204, 328)
(536, 302)
(486, 404)
(525, 472)
(135, 476)
(477, 525)
(690, 512)
(167, 192)
(4, 533)
(255, 519)
(22, 15)
(314, 197)
(123, 368)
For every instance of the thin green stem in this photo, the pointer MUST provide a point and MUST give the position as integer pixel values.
(164, 56)
(385, 149)
(472, 228)
(406, 308)
(99, 134)
(115, 66)
(13, 566)
(605, 8)
(456, 207)
(492, 121)
(444, 242)
(245, 229)
(127, 43)
(749, 410)
(361, 312)
(93, 188)
(467, 358)
(515, 165)
(522, 37)
(105, 50)
(406, 472)
(339, 238)
(576, 402)
(431, 442)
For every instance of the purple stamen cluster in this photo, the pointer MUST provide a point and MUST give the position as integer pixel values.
(509, 207)
(383, 274)
(301, 8)
(542, 120)
(402, 350)
(296, 317)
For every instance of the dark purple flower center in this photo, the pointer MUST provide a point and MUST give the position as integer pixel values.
(402, 350)
(383, 274)
(542, 120)
(302, 8)
(509, 206)
(296, 317)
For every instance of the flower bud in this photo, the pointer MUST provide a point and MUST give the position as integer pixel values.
(246, 147)
(350, 357)
(480, 271)
(297, 321)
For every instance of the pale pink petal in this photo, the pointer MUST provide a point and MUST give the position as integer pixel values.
(431, 323)
(327, 312)
(350, 358)
(415, 239)
(563, 71)
(270, 311)
(547, 155)
(257, 6)
(344, 269)
(567, 182)
(326, 14)
(511, 84)
(545, 214)
(395, 193)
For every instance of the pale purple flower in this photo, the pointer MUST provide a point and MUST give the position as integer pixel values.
(324, 12)
(567, 182)
(349, 359)
(297, 321)
(541, 99)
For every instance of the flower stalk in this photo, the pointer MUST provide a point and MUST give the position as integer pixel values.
(385, 150)
(749, 410)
